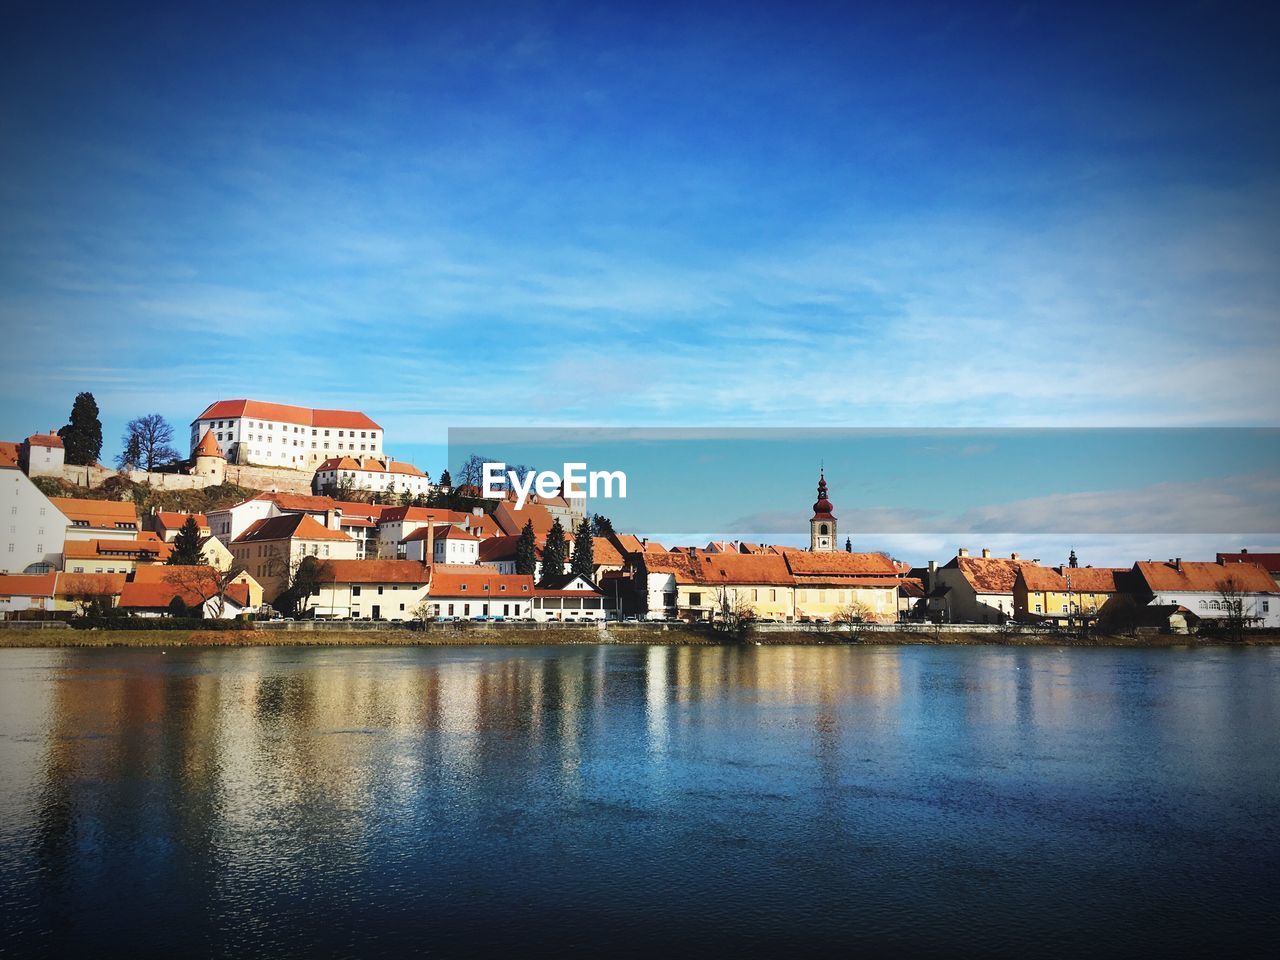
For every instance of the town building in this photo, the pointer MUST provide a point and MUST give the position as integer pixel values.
(1065, 595)
(152, 592)
(280, 435)
(376, 475)
(469, 593)
(844, 587)
(822, 525)
(1209, 590)
(272, 548)
(371, 589)
(208, 460)
(1269, 562)
(27, 595)
(79, 593)
(398, 523)
(168, 523)
(98, 519)
(569, 597)
(32, 527)
(114, 556)
(973, 589)
(42, 455)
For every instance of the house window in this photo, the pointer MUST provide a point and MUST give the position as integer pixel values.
(355, 590)
(695, 599)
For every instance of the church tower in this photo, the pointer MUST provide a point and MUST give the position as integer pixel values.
(822, 528)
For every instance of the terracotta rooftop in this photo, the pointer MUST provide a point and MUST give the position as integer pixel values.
(208, 446)
(989, 574)
(171, 520)
(143, 548)
(1202, 577)
(453, 580)
(512, 521)
(375, 571)
(1268, 561)
(289, 526)
(90, 584)
(805, 564)
(105, 514)
(1040, 579)
(159, 585)
(27, 585)
(51, 440)
(284, 413)
(8, 454)
(443, 531)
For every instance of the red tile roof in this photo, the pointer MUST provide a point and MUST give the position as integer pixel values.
(421, 515)
(289, 526)
(443, 531)
(104, 514)
(370, 465)
(8, 454)
(208, 446)
(146, 548)
(157, 586)
(988, 574)
(299, 502)
(512, 521)
(171, 520)
(604, 553)
(27, 585)
(374, 571)
(1268, 561)
(495, 549)
(45, 440)
(1040, 579)
(1199, 577)
(284, 413)
(804, 564)
(450, 581)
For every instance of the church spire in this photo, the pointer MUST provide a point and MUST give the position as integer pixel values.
(822, 527)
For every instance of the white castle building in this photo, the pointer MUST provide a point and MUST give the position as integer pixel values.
(279, 435)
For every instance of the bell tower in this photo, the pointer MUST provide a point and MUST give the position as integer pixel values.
(822, 528)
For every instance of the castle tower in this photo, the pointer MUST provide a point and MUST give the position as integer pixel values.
(822, 528)
(209, 459)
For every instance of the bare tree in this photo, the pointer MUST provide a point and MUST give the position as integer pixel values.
(207, 583)
(1235, 619)
(855, 611)
(94, 594)
(734, 612)
(150, 438)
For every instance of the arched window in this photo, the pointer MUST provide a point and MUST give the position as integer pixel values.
(822, 528)
(1204, 605)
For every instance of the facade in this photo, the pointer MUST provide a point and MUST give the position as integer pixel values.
(151, 593)
(570, 598)
(77, 591)
(42, 455)
(398, 523)
(271, 549)
(32, 528)
(470, 593)
(382, 475)
(842, 587)
(1208, 590)
(1269, 562)
(168, 523)
(280, 435)
(445, 542)
(372, 589)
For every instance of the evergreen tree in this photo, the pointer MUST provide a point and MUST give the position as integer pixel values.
(583, 551)
(131, 456)
(186, 545)
(553, 552)
(527, 551)
(445, 480)
(82, 436)
(601, 525)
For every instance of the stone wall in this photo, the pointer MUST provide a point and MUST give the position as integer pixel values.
(276, 479)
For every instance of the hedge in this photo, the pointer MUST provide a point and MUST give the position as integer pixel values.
(158, 623)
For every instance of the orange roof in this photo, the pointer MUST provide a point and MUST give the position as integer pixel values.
(483, 526)
(512, 521)
(45, 440)
(453, 580)
(371, 465)
(805, 564)
(97, 513)
(1200, 577)
(1268, 561)
(604, 553)
(502, 548)
(8, 454)
(289, 526)
(374, 571)
(299, 502)
(988, 574)
(143, 548)
(284, 413)
(208, 446)
(443, 531)
(27, 585)
(171, 520)
(1040, 579)
(90, 584)
(740, 568)
(421, 515)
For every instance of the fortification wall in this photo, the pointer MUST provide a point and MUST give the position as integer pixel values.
(276, 479)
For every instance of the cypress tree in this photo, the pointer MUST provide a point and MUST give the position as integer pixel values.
(583, 551)
(82, 436)
(553, 552)
(186, 545)
(527, 551)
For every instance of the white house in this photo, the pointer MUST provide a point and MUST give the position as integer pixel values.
(974, 589)
(1208, 589)
(32, 528)
(469, 593)
(42, 455)
(373, 589)
(381, 475)
(280, 435)
(448, 544)
(98, 519)
(22, 592)
(569, 597)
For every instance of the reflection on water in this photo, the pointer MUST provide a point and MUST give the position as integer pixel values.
(373, 802)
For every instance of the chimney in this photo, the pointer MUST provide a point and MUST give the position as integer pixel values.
(933, 566)
(430, 556)
(962, 552)
(1177, 563)
(331, 518)
(1244, 550)
(986, 553)
(1015, 556)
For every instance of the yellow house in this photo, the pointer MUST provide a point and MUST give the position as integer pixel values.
(835, 586)
(1060, 593)
(114, 556)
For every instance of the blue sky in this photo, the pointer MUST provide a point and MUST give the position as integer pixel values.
(698, 214)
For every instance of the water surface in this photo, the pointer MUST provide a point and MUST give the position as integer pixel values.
(630, 800)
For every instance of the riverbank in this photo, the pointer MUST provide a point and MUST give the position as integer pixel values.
(561, 634)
